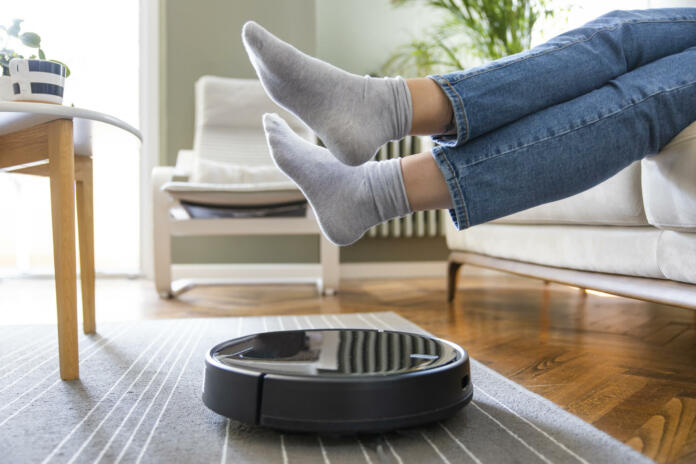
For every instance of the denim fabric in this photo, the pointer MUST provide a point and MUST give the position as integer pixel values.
(554, 121)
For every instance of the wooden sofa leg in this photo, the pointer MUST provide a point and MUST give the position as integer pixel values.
(452, 276)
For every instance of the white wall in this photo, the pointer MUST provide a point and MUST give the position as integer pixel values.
(672, 3)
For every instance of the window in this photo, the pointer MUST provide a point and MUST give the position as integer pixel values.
(100, 43)
(581, 13)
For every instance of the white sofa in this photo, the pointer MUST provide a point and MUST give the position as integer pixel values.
(633, 235)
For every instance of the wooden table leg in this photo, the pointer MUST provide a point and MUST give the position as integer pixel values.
(62, 178)
(85, 230)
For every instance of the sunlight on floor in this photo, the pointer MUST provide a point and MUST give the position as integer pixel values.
(598, 293)
(32, 301)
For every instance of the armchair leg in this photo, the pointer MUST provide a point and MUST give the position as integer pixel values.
(62, 179)
(452, 276)
(329, 256)
(85, 228)
(162, 266)
(163, 263)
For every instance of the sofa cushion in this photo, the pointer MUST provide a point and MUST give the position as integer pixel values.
(617, 250)
(676, 255)
(669, 184)
(616, 201)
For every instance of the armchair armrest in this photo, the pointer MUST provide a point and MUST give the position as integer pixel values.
(184, 164)
(161, 203)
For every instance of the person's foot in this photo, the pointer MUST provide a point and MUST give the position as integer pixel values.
(346, 200)
(352, 115)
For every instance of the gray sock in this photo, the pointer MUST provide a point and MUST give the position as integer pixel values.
(346, 200)
(352, 115)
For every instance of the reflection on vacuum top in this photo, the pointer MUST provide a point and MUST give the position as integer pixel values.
(336, 352)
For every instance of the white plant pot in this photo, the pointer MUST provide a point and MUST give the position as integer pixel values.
(5, 88)
(37, 80)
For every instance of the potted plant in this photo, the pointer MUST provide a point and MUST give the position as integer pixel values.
(484, 29)
(28, 79)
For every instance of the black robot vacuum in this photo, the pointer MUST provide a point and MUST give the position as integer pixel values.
(337, 380)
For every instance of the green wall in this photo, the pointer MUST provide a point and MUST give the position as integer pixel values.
(203, 37)
(359, 35)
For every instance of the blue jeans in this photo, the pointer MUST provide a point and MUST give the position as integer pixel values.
(553, 121)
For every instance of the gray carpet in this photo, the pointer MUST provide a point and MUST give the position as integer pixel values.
(138, 400)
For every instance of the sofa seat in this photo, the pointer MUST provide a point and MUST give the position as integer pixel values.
(640, 223)
(614, 250)
(617, 201)
(676, 256)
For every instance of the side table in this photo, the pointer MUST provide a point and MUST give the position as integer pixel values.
(55, 141)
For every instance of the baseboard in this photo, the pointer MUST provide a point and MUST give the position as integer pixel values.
(298, 272)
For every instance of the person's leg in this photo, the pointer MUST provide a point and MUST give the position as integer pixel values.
(347, 200)
(425, 186)
(432, 111)
(355, 115)
(569, 65)
(567, 148)
(546, 156)
(352, 115)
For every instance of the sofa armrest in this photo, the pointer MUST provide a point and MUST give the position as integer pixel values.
(669, 190)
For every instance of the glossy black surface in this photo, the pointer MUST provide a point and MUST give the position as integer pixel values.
(336, 352)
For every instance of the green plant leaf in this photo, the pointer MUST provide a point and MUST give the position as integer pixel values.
(31, 39)
(485, 29)
(42, 55)
(13, 30)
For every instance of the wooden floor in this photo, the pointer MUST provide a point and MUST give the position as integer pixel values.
(628, 367)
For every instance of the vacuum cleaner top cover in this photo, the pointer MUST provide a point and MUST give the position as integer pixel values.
(336, 380)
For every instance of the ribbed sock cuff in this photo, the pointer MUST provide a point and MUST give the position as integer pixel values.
(387, 184)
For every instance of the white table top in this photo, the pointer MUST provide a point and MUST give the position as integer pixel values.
(16, 116)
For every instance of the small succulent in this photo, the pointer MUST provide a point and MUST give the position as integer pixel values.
(12, 35)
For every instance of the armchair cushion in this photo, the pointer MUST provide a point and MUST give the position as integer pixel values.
(219, 172)
(258, 194)
(230, 164)
(228, 121)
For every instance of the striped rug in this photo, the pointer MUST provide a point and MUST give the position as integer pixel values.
(138, 400)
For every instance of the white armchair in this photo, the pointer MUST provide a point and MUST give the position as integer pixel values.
(229, 166)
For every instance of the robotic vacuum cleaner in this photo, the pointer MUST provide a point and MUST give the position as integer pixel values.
(337, 380)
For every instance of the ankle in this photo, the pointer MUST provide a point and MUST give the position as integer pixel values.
(432, 110)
